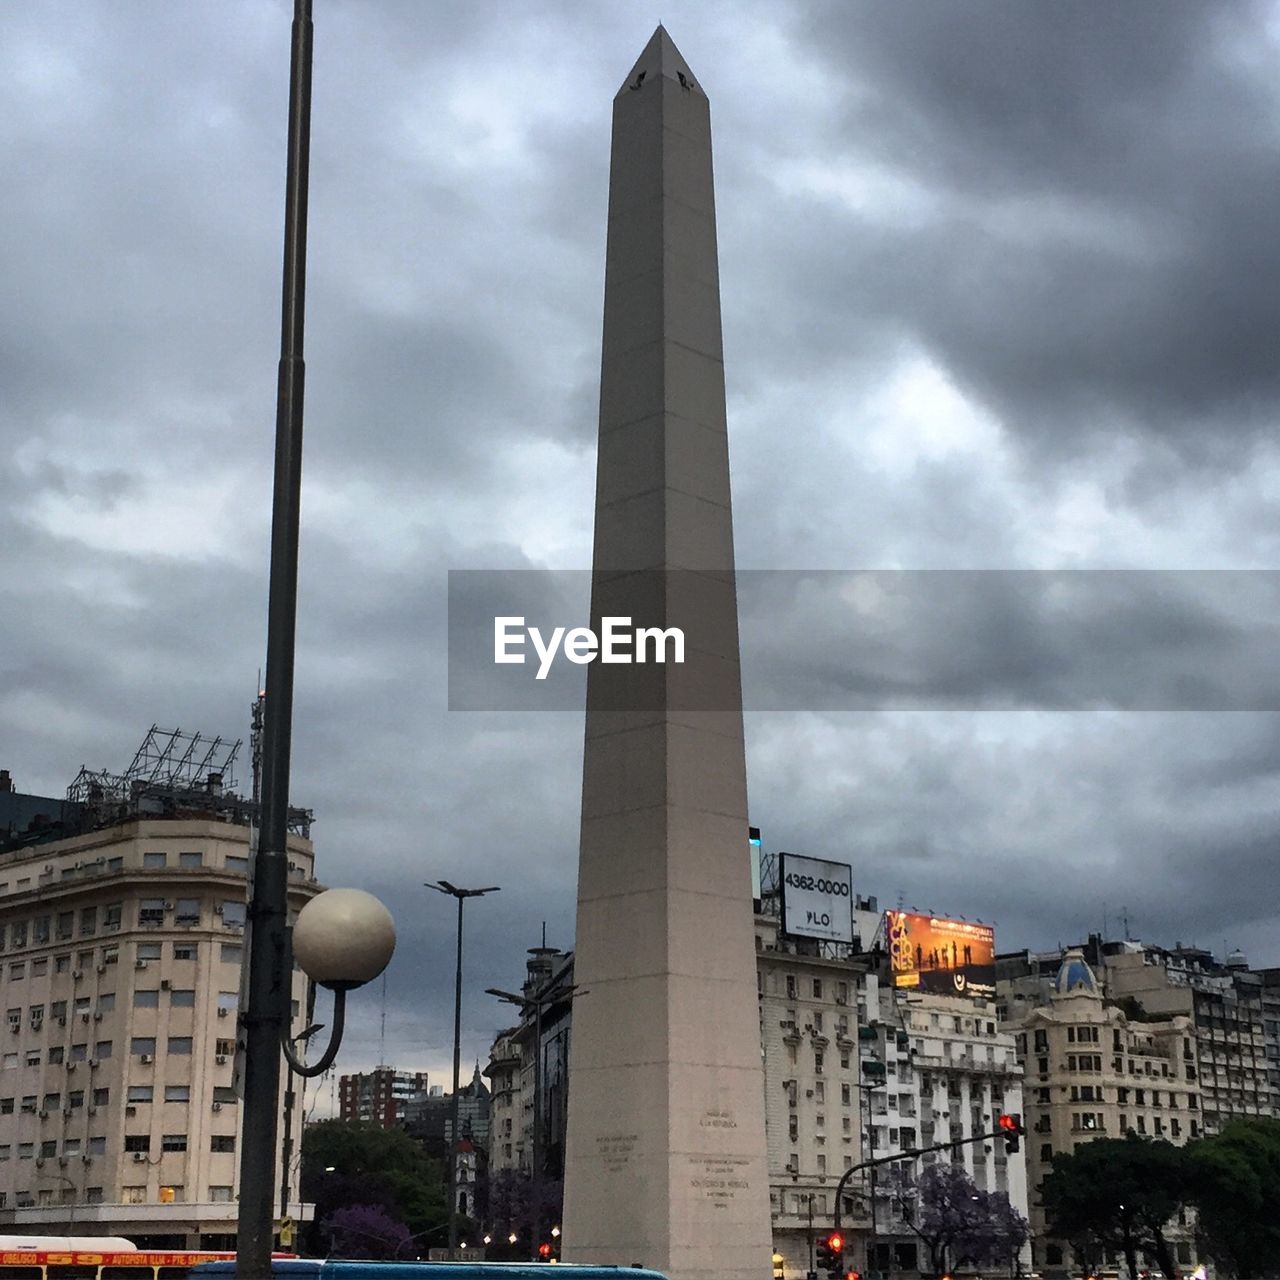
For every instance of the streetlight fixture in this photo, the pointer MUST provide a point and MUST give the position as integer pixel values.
(443, 886)
(342, 939)
(544, 997)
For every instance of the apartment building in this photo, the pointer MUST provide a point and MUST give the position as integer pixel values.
(1092, 1072)
(121, 954)
(381, 1096)
(936, 1069)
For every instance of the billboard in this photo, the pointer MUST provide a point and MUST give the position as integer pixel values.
(817, 898)
(946, 957)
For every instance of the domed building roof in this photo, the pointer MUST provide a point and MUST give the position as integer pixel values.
(1074, 976)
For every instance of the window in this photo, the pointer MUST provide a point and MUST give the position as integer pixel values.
(239, 865)
(133, 1195)
(183, 999)
(39, 967)
(151, 911)
(233, 913)
(187, 912)
(6, 1151)
(195, 859)
(179, 1044)
(232, 953)
(817, 988)
(71, 1147)
(79, 1052)
(1046, 1153)
(10, 1060)
(52, 1101)
(791, 986)
(148, 951)
(62, 964)
(102, 1049)
(173, 1142)
(107, 1002)
(112, 915)
(137, 1142)
(177, 1093)
(33, 1057)
(101, 1097)
(66, 925)
(225, 1048)
(48, 1148)
(111, 954)
(139, 1093)
(6, 1106)
(153, 860)
(185, 950)
(146, 999)
(26, 1150)
(142, 1044)
(19, 933)
(222, 1142)
(817, 1061)
(846, 1094)
(171, 1195)
(75, 1099)
(40, 929)
(83, 1004)
(88, 921)
(18, 969)
(219, 1195)
(224, 1093)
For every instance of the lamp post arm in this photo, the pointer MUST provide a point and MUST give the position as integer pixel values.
(335, 1039)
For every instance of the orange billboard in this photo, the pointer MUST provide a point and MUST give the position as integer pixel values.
(943, 956)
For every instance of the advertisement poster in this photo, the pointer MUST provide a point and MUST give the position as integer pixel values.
(817, 898)
(946, 957)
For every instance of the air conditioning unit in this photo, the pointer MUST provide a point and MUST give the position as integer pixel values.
(93, 1064)
(39, 1162)
(63, 1161)
(146, 1059)
(44, 1115)
(84, 1017)
(131, 1110)
(164, 984)
(217, 1106)
(62, 1022)
(86, 1159)
(93, 1111)
(76, 975)
(221, 1059)
(102, 968)
(15, 1027)
(217, 910)
(97, 1017)
(71, 1066)
(222, 1013)
(66, 1111)
(139, 1157)
(139, 964)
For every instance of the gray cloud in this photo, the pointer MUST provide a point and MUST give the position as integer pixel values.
(996, 287)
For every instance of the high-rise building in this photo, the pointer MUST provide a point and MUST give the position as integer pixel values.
(381, 1096)
(122, 917)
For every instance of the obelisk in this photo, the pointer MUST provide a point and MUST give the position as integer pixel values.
(665, 1147)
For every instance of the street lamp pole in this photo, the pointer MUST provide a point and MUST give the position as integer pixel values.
(266, 1020)
(443, 886)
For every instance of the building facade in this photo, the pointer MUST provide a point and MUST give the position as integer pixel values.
(1093, 1072)
(121, 951)
(382, 1096)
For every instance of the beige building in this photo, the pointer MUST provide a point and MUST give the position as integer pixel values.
(1092, 1072)
(121, 951)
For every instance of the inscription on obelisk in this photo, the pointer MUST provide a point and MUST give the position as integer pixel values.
(665, 1160)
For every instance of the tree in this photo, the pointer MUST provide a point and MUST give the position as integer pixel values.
(1235, 1186)
(507, 1198)
(366, 1231)
(346, 1164)
(1117, 1193)
(1008, 1232)
(948, 1215)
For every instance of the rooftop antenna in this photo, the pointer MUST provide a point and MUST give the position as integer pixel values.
(1124, 920)
(544, 935)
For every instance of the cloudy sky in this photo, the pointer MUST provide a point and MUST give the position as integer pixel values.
(998, 287)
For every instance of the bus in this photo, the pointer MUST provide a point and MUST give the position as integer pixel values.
(99, 1258)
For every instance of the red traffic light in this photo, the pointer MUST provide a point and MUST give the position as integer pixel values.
(1009, 1124)
(835, 1242)
(544, 1250)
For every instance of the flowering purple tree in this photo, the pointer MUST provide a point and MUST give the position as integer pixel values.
(366, 1231)
(957, 1222)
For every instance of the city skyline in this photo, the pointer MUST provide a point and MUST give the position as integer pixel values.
(990, 300)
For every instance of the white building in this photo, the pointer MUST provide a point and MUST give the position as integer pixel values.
(120, 953)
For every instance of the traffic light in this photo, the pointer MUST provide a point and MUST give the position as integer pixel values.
(831, 1254)
(1011, 1127)
(546, 1251)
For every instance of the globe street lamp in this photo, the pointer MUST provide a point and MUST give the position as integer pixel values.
(443, 886)
(342, 939)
